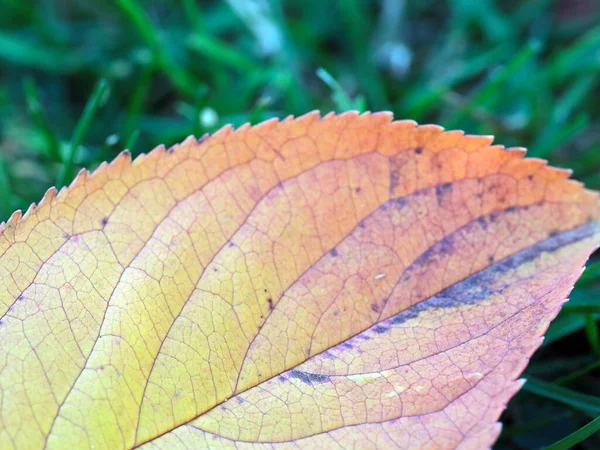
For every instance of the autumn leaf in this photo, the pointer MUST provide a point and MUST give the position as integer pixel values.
(335, 282)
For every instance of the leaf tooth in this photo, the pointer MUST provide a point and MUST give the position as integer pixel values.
(143, 157)
(379, 119)
(32, 208)
(540, 161)
(560, 172)
(512, 389)
(267, 125)
(312, 116)
(223, 132)
(406, 123)
(171, 149)
(428, 135)
(101, 168)
(388, 116)
(432, 128)
(538, 341)
(122, 160)
(458, 134)
(497, 428)
(309, 118)
(81, 177)
(519, 152)
(521, 381)
(396, 127)
(49, 196)
(447, 140)
(509, 392)
(473, 142)
(190, 140)
(14, 219)
(349, 115)
(243, 128)
(124, 156)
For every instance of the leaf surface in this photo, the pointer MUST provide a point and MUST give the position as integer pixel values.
(311, 283)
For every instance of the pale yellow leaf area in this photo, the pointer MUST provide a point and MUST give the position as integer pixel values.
(345, 281)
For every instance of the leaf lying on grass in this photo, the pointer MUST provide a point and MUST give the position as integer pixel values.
(317, 282)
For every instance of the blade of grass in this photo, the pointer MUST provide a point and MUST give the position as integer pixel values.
(18, 51)
(353, 15)
(555, 367)
(221, 53)
(563, 325)
(421, 99)
(592, 180)
(577, 58)
(583, 402)
(561, 127)
(140, 20)
(586, 163)
(536, 424)
(587, 303)
(557, 136)
(32, 97)
(5, 192)
(494, 82)
(341, 99)
(528, 10)
(578, 373)
(81, 129)
(573, 97)
(138, 97)
(591, 274)
(288, 64)
(192, 13)
(578, 436)
(591, 331)
(488, 16)
(132, 139)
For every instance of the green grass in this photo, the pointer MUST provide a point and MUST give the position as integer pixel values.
(82, 80)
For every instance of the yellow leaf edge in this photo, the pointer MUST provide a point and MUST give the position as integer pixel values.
(123, 160)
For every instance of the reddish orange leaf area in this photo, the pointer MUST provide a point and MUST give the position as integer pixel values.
(335, 282)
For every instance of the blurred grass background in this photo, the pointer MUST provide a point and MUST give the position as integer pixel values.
(82, 79)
